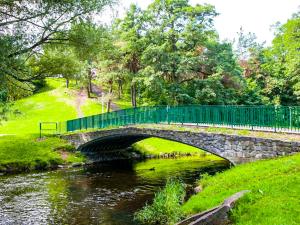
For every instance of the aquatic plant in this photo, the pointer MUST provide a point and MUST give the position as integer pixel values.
(166, 206)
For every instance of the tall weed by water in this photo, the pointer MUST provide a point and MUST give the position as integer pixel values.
(166, 206)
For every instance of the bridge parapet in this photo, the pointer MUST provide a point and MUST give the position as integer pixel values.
(235, 148)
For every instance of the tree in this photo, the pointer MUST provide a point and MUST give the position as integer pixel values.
(182, 47)
(89, 42)
(245, 44)
(286, 52)
(3, 106)
(131, 29)
(111, 71)
(57, 61)
(25, 26)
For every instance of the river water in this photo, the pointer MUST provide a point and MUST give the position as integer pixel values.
(106, 194)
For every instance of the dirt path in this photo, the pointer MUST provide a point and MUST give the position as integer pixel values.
(80, 100)
(98, 91)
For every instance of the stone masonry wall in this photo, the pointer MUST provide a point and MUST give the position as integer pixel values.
(234, 148)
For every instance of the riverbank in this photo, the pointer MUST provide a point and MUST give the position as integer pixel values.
(274, 196)
(24, 153)
(20, 148)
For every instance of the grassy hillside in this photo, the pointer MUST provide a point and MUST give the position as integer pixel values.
(20, 148)
(274, 196)
(52, 103)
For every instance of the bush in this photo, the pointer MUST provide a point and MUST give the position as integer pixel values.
(166, 206)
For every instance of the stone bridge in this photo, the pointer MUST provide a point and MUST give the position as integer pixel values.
(234, 148)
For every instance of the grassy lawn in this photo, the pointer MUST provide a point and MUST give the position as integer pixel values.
(157, 146)
(123, 103)
(53, 103)
(26, 153)
(21, 150)
(274, 196)
(92, 107)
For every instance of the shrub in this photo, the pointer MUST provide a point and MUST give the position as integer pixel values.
(166, 206)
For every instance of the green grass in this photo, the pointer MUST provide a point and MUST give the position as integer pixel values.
(274, 196)
(157, 146)
(123, 103)
(26, 153)
(53, 103)
(92, 107)
(20, 150)
(165, 208)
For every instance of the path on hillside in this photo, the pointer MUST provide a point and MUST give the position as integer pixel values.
(97, 90)
(80, 101)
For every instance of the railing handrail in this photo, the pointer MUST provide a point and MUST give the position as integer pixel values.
(268, 116)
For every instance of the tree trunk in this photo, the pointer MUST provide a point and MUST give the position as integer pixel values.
(88, 92)
(67, 82)
(110, 95)
(108, 105)
(90, 84)
(133, 95)
(119, 89)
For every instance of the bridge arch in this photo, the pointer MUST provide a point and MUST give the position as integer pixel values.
(122, 141)
(234, 148)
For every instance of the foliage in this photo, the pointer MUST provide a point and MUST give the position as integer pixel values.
(89, 42)
(274, 186)
(130, 31)
(57, 61)
(168, 53)
(272, 73)
(170, 46)
(26, 26)
(165, 208)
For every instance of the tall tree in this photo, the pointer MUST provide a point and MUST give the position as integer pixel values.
(112, 70)
(89, 42)
(182, 46)
(131, 33)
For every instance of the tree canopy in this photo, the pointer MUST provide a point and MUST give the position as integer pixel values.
(168, 53)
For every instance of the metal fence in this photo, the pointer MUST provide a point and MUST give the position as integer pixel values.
(272, 118)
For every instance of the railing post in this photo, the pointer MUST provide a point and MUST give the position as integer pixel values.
(290, 111)
(168, 120)
(275, 115)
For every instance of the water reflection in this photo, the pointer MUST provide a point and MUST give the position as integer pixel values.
(105, 194)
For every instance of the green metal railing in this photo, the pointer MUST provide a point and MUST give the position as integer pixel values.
(273, 118)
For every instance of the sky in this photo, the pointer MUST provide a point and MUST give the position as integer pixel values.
(255, 16)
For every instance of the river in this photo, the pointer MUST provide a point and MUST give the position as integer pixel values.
(106, 194)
